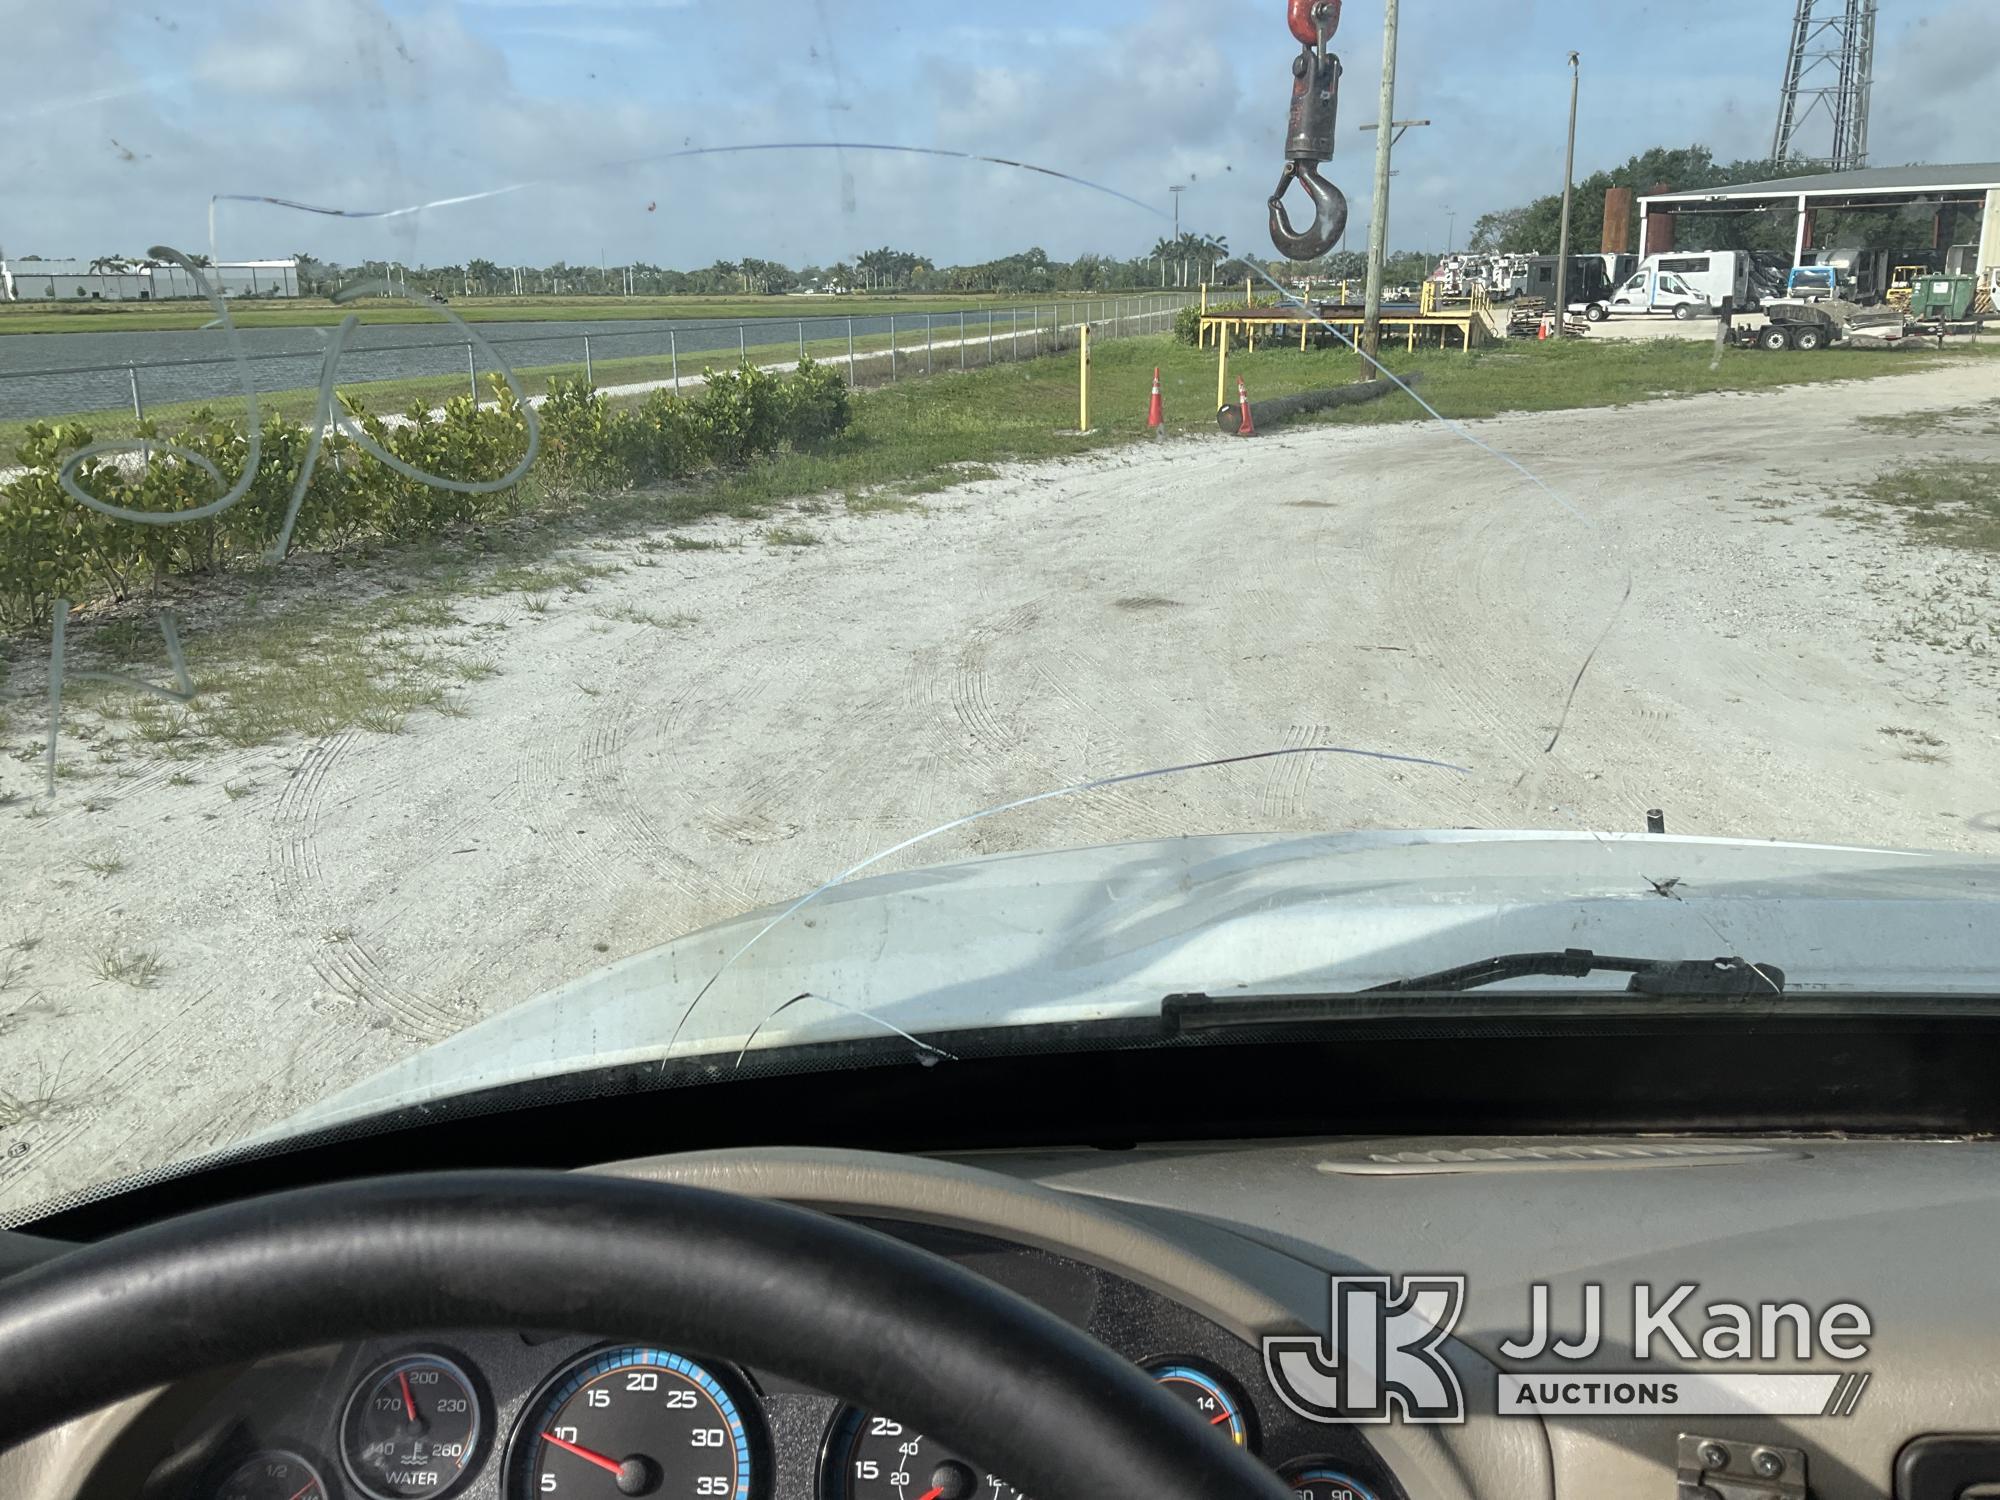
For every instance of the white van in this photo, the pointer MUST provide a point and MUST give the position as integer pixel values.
(1686, 284)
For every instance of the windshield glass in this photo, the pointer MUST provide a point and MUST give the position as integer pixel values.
(524, 525)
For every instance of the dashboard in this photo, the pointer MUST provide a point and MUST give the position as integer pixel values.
(1180, 1257)
(523, 1415)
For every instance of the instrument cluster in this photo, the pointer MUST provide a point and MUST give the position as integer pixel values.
(526, 1416)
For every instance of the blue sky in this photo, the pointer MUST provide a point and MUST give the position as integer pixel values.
(122, 120)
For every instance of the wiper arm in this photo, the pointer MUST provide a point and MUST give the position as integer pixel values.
(1650, 976)
(1655, 985)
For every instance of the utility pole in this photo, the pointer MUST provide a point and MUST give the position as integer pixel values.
(1177, 189)
(1378, 224)
(1569, 171)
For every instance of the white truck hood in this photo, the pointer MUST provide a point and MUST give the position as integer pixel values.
(1090, 934)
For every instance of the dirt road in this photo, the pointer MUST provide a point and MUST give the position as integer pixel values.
(1773, 672)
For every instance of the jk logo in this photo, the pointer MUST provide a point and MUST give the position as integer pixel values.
(1380, 1357)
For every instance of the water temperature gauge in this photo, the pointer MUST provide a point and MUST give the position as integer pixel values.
(411, 1428)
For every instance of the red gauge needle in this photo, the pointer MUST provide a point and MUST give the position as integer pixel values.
(930, 1494)
(609, 1465)
(1218, 1419)
(311, 1485)
(409, 1401)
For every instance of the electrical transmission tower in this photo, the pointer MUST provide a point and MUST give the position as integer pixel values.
(1827, 77)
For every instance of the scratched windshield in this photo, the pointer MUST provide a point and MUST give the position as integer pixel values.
(516, 516)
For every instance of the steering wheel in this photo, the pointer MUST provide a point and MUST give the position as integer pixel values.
(843, 1309)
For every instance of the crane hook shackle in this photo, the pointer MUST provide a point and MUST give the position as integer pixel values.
(1312, 21)
(1308, 142)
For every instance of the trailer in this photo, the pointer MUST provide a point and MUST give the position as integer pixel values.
(1818, 322)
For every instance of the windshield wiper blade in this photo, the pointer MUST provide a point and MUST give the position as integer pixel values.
(1650, 976)
(1653, 990)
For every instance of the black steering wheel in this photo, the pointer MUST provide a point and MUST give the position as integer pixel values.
(849, 1311)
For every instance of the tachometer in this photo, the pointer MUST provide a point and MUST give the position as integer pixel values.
(411, 1428)
(869, 1457)
(633, 1421)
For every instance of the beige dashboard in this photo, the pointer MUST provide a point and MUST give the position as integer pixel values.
(1246, 1235)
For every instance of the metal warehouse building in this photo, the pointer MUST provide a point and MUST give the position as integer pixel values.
(1964, 200)
(102, 281)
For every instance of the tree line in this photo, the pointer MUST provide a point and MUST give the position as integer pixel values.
(1186, 259)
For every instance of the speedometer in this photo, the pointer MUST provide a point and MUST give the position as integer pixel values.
(633, 1421)
(871, 1457)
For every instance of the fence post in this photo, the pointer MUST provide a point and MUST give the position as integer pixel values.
(674, 354)
(802, 340)
(742, 347)
(892, 346)
(1017, 335)
(927, 343)
(989, 336)
(472, 374)
(138, 411)
(589, 379)
(850, 352)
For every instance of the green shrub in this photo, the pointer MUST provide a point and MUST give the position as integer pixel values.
(662, 439)
(817, 406)
(52, 547)
(580, 439)
(739, 414)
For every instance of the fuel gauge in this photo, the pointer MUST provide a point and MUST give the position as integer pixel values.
(273, 1474)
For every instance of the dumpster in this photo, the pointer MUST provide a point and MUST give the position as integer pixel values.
(1948, 298)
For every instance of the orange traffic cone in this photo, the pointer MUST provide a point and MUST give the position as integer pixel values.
(1542, 332)
(1244, 428)
(1153, 415)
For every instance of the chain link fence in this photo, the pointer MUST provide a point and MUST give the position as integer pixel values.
(390, 367)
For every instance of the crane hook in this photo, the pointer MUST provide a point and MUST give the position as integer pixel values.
(1308, 142)
(1329, 214)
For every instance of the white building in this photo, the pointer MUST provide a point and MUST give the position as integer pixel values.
(141, 281)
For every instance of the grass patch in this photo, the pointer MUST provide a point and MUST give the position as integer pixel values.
(633, 614)
(790, 536)
(104, 866)
(1920, 423)
(884, 505)
(139, 967)
(1944, 502)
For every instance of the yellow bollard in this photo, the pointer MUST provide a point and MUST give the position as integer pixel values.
(1204, 296)
(1083, 384)
(1303, 325)
(1221, 370)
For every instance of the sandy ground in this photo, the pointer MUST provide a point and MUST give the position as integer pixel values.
(619, 783)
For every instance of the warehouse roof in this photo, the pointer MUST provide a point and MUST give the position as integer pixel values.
(1863, 182)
